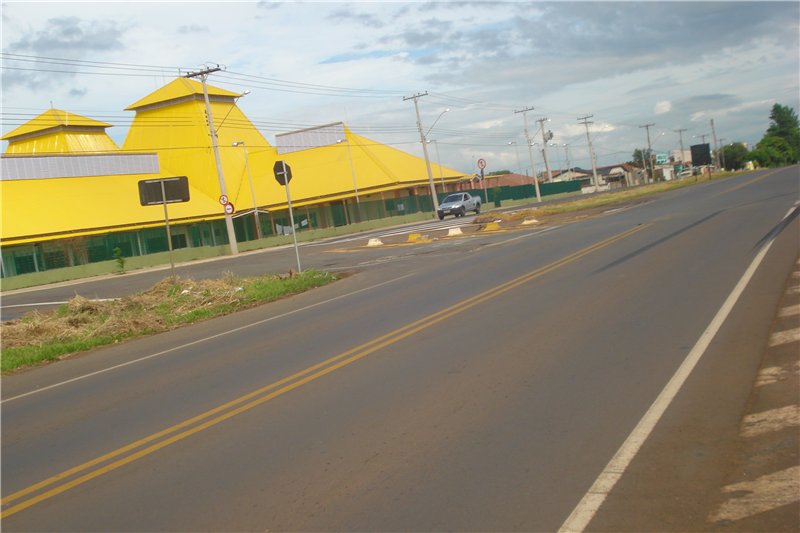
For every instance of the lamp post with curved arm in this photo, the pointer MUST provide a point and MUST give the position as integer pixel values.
(439, 161)
(353, 171)
(252, 190)
(519, 165)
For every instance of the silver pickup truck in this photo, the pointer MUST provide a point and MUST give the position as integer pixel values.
(458, 204)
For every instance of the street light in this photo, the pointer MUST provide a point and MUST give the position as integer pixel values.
(352, 169)
(439, 161)
(566, 152)
(519, 166)
(423, 139)
(252, 190)
(435, 121)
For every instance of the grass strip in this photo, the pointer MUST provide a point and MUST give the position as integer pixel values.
(82, 324)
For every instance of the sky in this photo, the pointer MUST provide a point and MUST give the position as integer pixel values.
(675, 65)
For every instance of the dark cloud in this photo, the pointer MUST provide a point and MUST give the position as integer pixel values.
(78, 93)
(63, 37)
(70, 36)
(660, 83)
(601, 40)
(194, 28)
(349, 15)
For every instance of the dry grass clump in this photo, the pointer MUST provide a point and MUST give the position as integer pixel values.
(83, 324)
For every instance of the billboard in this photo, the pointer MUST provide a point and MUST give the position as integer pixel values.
(701, 155)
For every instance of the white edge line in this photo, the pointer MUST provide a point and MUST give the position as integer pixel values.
(594, 498)
(521, 237)
(203, 340)
(58, 303)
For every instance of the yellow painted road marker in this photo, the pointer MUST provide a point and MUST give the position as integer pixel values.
(286, 384)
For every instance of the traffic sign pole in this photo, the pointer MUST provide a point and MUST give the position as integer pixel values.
(484, 187)
(291, 216)
(169, 235)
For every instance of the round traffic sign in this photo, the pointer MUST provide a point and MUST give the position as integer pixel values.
(481, 164)
(223, 200)
(228, 209)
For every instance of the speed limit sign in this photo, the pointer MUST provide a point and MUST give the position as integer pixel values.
(228, 209)
(481, 164)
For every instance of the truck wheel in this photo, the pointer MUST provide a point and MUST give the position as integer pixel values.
(478, 209)
(463, 211)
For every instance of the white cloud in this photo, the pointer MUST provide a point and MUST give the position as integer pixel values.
(662, 107)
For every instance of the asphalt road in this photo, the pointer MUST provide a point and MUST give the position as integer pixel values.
(479, 383)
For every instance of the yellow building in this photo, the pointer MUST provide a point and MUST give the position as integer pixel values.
(70, 195)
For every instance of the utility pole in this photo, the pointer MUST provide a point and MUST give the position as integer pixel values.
(722, 151)
(716, 150)
(569, 168)
(530, 151)
(541, 122)
(649, 150)
(591, 151)
(425, 151)
(680, 134)
(203, 74)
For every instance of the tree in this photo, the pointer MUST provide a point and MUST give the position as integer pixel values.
(784, 126)
(499, 173)
(637, 158)
(774, 152)
(735, 156)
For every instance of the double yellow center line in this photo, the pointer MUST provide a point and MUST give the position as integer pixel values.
(253, 399)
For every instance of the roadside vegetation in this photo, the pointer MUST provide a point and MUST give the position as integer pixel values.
(579, 204)
(83, 324)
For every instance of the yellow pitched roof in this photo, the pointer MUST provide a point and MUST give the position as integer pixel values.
(52, 118)
(178, 89)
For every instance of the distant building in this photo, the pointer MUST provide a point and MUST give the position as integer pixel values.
(683, 157)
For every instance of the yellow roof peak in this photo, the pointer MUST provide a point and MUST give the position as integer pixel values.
(178, 88)
(51, 119)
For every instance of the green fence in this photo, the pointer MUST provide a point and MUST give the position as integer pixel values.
(521, 192)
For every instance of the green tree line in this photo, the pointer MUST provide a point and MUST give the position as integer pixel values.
(781, 144)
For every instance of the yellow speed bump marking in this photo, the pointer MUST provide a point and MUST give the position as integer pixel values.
(280, 387)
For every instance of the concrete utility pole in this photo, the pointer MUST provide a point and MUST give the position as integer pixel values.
(425, 151)
(680, 134)
(722, 151)
(591, 151)
(203, 74)
(569, 167)
(716, 149)
(541, 122)
(649, 150)
(530, 151)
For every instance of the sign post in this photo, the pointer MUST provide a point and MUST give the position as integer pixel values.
(164, 191)
(283, 174)
(482, 165)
